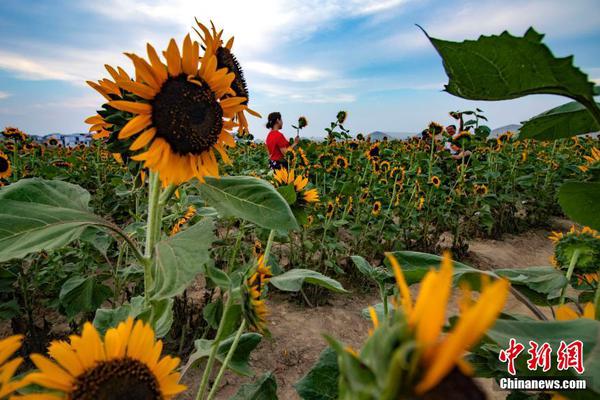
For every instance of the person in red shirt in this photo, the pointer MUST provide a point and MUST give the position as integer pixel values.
(277, 144)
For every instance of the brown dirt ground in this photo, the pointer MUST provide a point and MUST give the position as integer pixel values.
(297, 330)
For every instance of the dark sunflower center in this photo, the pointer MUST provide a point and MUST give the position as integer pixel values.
(226, 59)
(455, 386)
(116, 380)
(3, 164)
(187, 116)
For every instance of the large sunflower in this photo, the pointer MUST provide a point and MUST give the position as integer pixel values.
(426, 316)
(213, 45)
(125, 365)
(184, 111)
(284, 177)
(5, 169)
(8, 347)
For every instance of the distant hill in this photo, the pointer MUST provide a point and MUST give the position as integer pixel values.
(379, 135)
(503, 129)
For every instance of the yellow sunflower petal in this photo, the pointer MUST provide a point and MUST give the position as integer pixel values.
(135, 125)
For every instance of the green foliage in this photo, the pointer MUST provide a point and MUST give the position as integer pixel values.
(158, 313)
(507, 67)
(180, 258)
(241, 355)
(264, 388)
(560, 122)
(79, 294)
(321, 382)
(250, 199)
(37, 214)
(292, 281)
(581, 202)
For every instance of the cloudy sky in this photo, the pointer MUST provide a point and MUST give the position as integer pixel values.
(301, 57)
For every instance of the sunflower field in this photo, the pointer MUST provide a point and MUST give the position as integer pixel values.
(142, 266)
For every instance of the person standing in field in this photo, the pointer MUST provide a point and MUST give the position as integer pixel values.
(277, 144)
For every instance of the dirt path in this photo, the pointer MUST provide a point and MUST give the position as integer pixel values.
(297, 330)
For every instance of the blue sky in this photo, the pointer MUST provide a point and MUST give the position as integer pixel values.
(301, 57)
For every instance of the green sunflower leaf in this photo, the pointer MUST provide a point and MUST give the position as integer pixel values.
(502, 67)
(321, 382)
(38, 214)
(568, 120)
(79, 294)
(239, 362)
(180, 258)
(265, 388)
(292, 281)
(581, 202)
(250, 199)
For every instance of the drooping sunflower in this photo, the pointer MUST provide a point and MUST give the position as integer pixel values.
(341, 117)
(360, 137)
(420, 203)
(376, 209)
(341, 162)
(183, 109)
(284, 177)
(253, 305)
(14, 133)
(384, 166)
(504, 137)
(257, 248)
(52, 142)
(302, 122)
(303, 157)
(5, 168)
(125, 365)
(481, 190)
(434, 128)
(330, 209)
(580, 247)
(435, 181)
(8, 347)
(591, 160)
(373, 152)
(213, 45)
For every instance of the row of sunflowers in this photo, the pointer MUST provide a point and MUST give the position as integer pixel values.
(112, 238)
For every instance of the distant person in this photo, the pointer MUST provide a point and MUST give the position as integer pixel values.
(277, 144)
(456, 151)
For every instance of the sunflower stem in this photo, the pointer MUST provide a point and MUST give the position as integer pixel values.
(213, 351)
(228, 358)
(269, 245)
(572, 264)
(153, 212)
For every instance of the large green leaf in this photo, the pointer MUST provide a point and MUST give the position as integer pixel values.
(38, 214)
(239, 362)
(581, 202)
(507, 67)
(265, 388)
(321, 382)
(158, 313)
(180, 258)
(545, 280)
(292, 281)
(564, 121)
(249, 198)
(415, 265)
(553, 332)
(79, 294)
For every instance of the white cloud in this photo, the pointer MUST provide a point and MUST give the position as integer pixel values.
(556, 18)
(304, 94)
(4, 95)
(64, 64)
(296, 74)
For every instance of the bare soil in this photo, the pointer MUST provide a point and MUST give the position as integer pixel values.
(297, 330)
